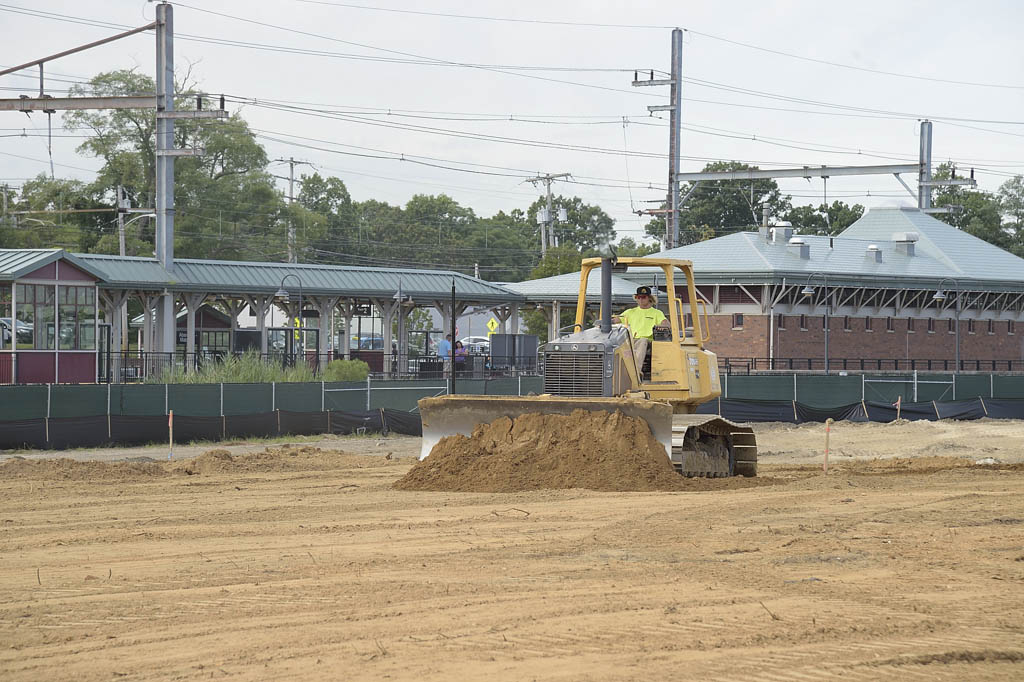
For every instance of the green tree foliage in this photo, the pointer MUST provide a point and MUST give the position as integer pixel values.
(227, 203)
(1011, 204)
(558, 261)
(587, 228)
(627, 246)
(977, 213)
(812, 219)
(720, 207)
(43, 216)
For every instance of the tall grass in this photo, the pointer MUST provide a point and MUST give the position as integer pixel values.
(248, 368)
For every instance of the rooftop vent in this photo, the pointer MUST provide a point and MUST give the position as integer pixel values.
(801, 247)
(874, 253)
(905, 241)
(782, 233)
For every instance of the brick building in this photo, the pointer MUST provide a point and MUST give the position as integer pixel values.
(894, 285)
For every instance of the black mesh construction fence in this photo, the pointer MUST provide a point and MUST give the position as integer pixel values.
(61, 433)
(122, 430)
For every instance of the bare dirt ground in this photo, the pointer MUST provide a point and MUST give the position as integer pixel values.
(298, 564)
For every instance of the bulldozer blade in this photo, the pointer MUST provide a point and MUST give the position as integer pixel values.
(460, 414)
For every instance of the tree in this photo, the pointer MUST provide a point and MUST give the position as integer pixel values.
(559, 260)
(628, 247)
(719, 207)
(588, 228)
(977, 213)
(503, 247)
(812, 220)
(1011, 205)
(46, 225)
(226, 201)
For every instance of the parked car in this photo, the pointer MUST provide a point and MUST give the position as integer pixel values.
(476, 345)
(24, 330)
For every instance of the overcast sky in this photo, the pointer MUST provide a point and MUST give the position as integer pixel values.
(976, 43)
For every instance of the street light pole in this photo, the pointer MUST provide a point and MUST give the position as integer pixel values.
(283, 293)
(809, 291)
(941, 296)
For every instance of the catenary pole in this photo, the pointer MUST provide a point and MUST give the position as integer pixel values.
(675, 134)
(165, 170)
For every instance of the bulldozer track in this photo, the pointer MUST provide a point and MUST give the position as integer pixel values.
(713, 447)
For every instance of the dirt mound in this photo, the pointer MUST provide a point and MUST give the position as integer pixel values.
(277, 459)
(71, 470)
(594, 450)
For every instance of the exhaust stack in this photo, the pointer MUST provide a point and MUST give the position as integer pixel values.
(606, 295)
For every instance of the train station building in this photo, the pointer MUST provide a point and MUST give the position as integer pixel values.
(897, 288)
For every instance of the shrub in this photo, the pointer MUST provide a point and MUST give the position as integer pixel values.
(346, 370)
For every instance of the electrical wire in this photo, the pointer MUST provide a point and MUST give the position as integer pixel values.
(664, 27)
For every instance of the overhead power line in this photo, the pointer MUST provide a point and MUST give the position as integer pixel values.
(842, 109)
(712, 36)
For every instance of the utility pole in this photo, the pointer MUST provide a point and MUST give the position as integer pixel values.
(675, 109)
(163, 103)
(164, 340)
(924, 188)
(925, 181)
(292, 251)
(547, 237)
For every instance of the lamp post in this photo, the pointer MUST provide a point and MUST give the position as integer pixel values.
(283, 293)
(940, 296)
(808, 290)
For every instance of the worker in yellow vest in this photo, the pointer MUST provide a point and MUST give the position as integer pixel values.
(641, 321)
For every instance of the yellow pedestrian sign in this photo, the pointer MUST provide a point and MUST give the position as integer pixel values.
(492, 324)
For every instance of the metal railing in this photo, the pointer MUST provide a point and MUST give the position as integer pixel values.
(470, 366)
(729, 365)
(138, 366)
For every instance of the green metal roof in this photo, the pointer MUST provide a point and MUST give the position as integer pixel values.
(15, 263)
(245, 277)
(566, 288)
(941, 251)
(964, 255)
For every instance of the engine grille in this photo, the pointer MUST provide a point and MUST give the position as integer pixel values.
(574, 374)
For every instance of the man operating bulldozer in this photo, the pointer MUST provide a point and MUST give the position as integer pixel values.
(641, 320)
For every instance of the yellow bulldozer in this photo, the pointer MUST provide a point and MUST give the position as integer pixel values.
(594, 368)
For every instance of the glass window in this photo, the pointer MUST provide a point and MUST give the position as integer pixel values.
(77, 317)
(931, 325)
(737, 320)
(910, 324)
(6, 323)
(889, 324)
(782, 322)
(803, 323)
(1010, 327)
(970, 326)
(35, 317)
(867, 324)
(991, 326)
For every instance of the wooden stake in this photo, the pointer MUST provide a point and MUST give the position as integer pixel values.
(170, 433)
(828, 432)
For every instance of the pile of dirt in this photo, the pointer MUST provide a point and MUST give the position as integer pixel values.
(277, 459)
(71, 470)
(594, 450)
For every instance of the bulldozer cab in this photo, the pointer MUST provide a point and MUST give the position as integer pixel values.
(678, 311)
(682, 371)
